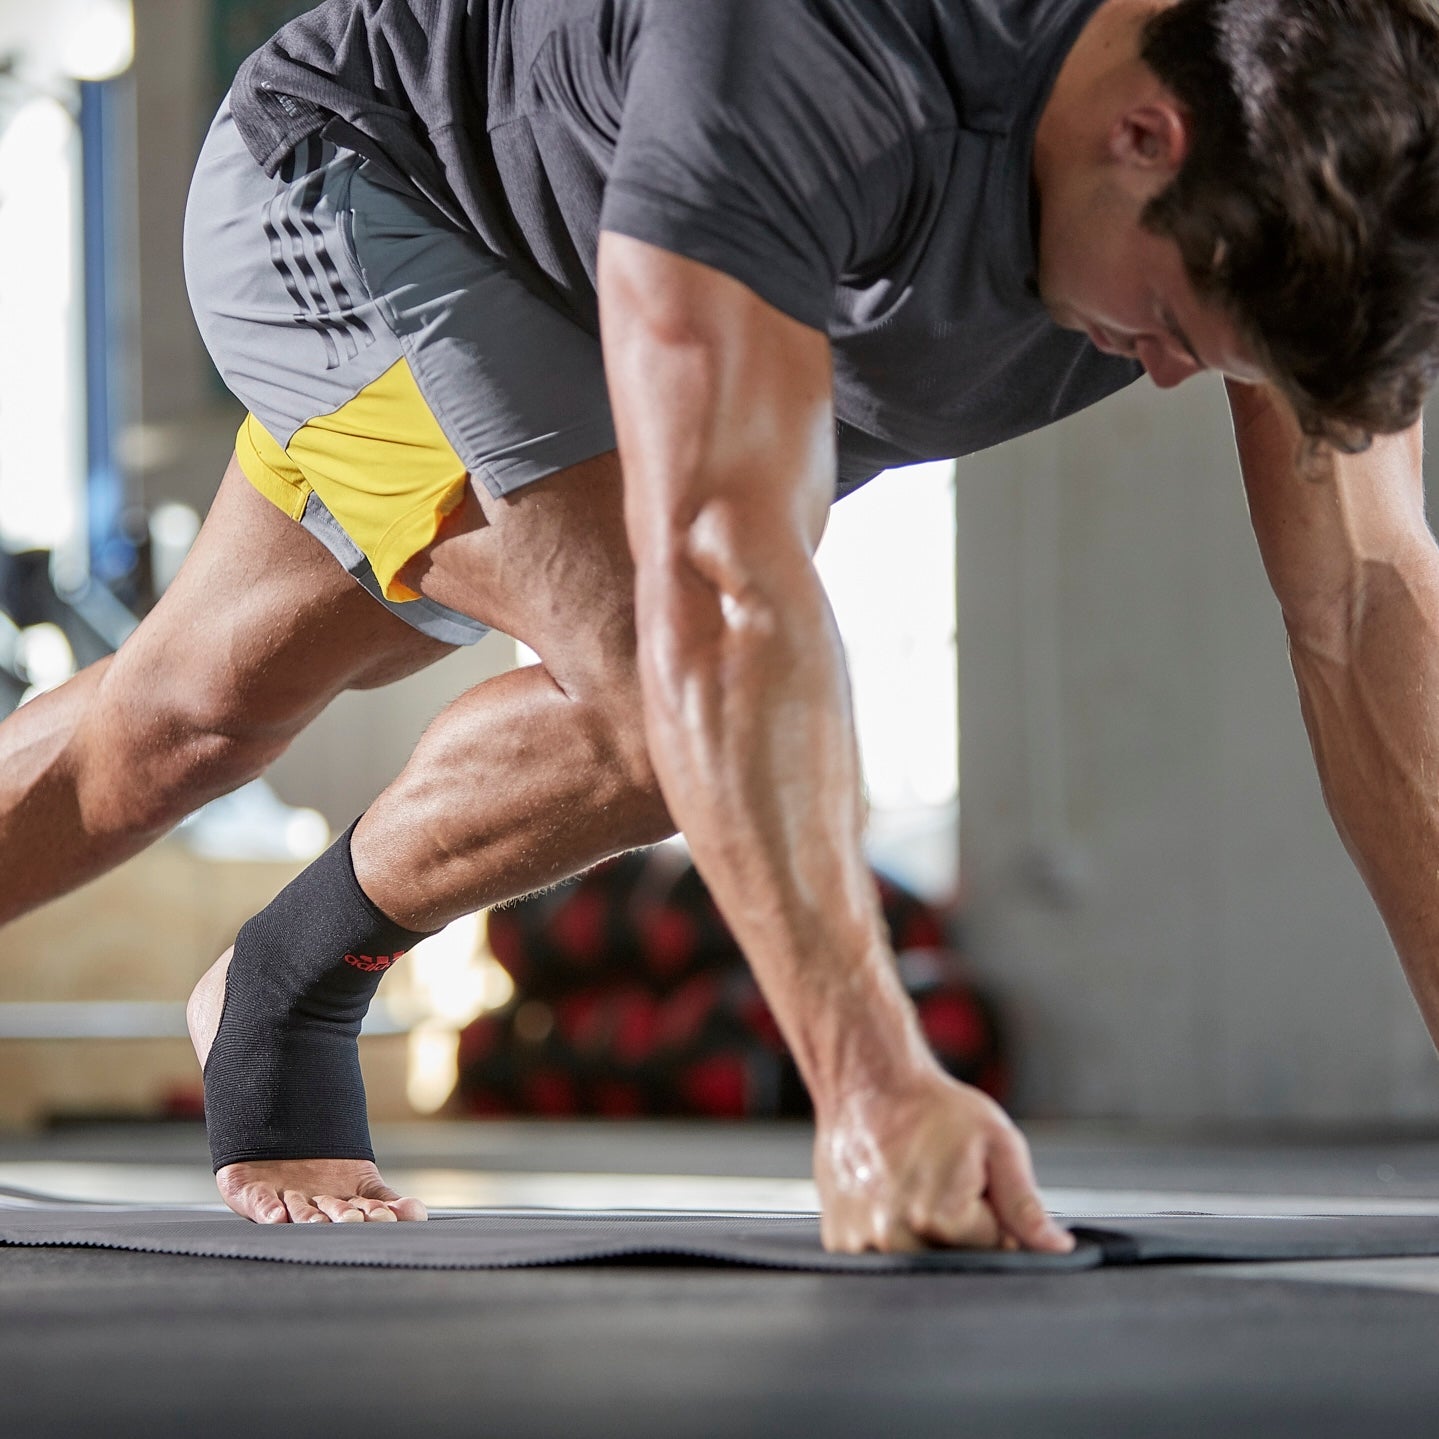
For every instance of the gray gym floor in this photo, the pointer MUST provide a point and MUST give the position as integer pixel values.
(96, 1341)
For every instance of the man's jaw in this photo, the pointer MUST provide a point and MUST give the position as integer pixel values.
(1108, 343)
(1068, 317)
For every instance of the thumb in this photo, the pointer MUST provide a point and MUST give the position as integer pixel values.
(1015, 1197)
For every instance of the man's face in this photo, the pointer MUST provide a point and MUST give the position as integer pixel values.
(1126, 288)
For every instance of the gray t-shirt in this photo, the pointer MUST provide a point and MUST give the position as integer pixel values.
(862, 165)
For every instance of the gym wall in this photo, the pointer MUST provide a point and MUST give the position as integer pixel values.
(1152, 878)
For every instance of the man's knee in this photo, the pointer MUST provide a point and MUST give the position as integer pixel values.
(599, 734)
(625, 752)
(148, 755)
(647, 814)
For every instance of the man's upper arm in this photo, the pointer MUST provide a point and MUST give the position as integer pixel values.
(723, 407)
(755, 140)
(1324, 527)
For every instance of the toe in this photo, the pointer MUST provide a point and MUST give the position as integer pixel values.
(300, 1210)
(337, 1210)
(399, 1206)
(262, 1205)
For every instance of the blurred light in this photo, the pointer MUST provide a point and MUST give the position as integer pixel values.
(253, 823)
(173, 528)
(534, 1022)
(888, 565)
(445, 983)
(887, 562)
(307, 832)
(142, 447)
(96, 38)
(433, 1067)
(452, 978)
(42, 655)
(40, 388)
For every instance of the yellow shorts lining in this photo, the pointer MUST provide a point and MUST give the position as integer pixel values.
(381, 463)
(280, 483)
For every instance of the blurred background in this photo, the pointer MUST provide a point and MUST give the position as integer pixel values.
(1138, 912)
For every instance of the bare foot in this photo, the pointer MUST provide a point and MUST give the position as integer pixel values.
(292, 1191)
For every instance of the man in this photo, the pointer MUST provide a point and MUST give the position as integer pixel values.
(816, 238)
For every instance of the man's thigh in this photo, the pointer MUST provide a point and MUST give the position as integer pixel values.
(548, 564)
(259, 630)
(450, 428)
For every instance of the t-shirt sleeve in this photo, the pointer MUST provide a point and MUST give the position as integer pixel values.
(757, 140)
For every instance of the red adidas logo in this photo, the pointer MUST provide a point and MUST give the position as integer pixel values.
(372, 963)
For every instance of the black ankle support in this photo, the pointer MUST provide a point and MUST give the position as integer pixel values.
(282, 1080)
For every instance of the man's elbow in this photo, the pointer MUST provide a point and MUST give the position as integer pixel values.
(1321, 624)
(1385, 598)
(715, 596)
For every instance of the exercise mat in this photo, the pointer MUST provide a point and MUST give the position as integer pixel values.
(511, 1239)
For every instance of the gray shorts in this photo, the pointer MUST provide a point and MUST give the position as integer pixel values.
(385, 357)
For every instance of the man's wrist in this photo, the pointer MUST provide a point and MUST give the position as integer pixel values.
(864, 1048)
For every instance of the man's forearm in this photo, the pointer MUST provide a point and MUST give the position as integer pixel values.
(729, 474)
(1356, 572)
(1371, 704)
(750, 730)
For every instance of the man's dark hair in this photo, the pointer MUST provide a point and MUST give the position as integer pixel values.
(1308, 205)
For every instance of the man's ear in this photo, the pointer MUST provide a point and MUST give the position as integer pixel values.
(1153, 136)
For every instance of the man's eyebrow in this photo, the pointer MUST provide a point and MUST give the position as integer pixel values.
(1172, 325)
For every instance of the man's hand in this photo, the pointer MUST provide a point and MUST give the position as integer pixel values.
(937, 1164)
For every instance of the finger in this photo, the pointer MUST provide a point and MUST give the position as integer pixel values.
(892, 1236)
(972, 1226)
(856, 1228)
(301, 1211)
(340, 1211)
(844, 1228)
(833, 1235)
(1015, 1197)
(409, 1209)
